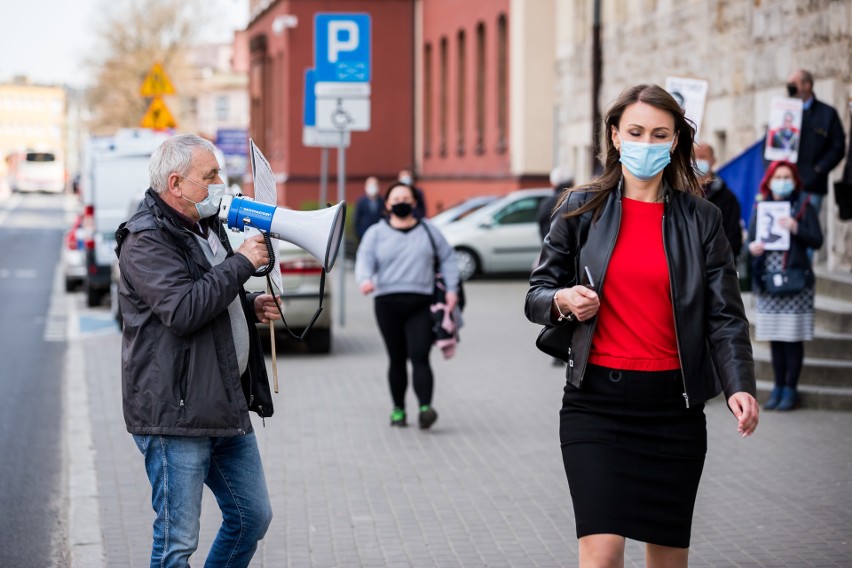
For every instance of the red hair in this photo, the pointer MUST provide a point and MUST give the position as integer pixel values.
(765, 192)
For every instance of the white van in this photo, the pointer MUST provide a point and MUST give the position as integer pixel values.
(114, 169)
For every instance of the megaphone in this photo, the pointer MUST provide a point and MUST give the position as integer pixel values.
(319, 232)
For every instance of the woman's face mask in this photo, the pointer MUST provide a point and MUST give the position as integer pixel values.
(644, 160)
(208, 206)
(782, 188)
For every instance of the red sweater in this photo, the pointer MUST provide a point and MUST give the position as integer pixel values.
(635, 328)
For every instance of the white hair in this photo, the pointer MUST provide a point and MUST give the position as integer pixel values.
(174, 156)
(561, 176)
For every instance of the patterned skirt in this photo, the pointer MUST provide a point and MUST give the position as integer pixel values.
(788, 317)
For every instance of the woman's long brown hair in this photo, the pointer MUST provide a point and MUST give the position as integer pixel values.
(680, 173)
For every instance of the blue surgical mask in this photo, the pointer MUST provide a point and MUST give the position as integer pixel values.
(782, 188)
(643, 160)
(703, 167)
(208, 206)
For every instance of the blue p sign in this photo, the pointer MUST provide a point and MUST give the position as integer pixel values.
(342, 47)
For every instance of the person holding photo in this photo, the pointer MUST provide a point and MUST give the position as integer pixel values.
(785, 320)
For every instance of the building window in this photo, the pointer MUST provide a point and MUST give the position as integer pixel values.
(480, 88)
(502, 82)
(443, 99)
(427, 101)
(460, 98)
(223, 108)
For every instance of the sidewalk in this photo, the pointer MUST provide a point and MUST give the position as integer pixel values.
(485, 487)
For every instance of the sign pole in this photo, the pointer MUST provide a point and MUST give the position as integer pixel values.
(341, 195)
(323, 196)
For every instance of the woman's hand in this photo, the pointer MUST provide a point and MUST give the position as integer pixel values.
(789, 223)
(265, 308)
(452, 299)
(756, 248)
(581, 301)
(746, 410)
(367, 287)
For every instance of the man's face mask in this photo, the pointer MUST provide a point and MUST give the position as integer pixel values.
(792, 89)
(208, 206)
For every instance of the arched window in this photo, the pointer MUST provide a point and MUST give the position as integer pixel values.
(480, 88)
(443, 99)
(427, 101)
(502, 82)
(460, 93)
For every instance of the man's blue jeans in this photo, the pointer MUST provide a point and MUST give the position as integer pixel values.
(178, 468)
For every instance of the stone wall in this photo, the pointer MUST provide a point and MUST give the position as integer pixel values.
(745, 49)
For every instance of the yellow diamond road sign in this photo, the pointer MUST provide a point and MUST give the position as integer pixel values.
(158, 116)
(157, 83)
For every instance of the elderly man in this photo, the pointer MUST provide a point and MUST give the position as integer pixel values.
(821, 142)
(192, 365)
(719, 194)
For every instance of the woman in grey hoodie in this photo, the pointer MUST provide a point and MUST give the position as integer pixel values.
(395, 263)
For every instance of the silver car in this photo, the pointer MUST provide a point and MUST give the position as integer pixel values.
(500, 237)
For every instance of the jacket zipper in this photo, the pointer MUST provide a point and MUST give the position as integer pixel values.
(674, 311)
(184, 369)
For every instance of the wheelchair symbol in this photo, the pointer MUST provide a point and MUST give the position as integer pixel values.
(340, 118)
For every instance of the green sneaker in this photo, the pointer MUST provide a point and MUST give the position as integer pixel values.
(427, 417)
(398, 417)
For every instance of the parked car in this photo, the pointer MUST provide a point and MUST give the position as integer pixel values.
(300, 279)
(461, 210)
(73, 257)
(499, 237)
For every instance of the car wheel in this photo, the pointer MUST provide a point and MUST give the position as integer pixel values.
(468, 263)
(318, 341)
(70, 284)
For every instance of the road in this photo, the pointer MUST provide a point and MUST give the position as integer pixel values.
(32, 468)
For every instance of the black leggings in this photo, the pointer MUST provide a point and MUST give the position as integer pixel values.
(787, 359)
(406, 325)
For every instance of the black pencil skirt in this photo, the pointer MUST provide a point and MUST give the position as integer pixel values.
(633, 454)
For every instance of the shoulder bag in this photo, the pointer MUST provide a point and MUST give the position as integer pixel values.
(787, 280)
(555, 340)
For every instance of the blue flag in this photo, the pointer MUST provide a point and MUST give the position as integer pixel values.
(743, 174)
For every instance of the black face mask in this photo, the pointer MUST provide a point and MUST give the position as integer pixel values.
(401, 210)
(792, 89)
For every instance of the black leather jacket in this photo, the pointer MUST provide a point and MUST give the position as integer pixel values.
(711, 328)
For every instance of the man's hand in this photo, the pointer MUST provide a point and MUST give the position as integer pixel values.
(254, 249)
(265, 308)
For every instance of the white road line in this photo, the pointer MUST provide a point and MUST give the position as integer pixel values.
(13, 203)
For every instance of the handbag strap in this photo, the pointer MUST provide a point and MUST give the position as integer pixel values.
(436, 263)
(798, 217)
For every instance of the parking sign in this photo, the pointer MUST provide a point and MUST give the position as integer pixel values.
(342, 47)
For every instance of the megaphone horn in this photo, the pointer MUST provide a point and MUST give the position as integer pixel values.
(319, 232)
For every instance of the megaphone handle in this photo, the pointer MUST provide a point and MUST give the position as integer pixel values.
(271, 266)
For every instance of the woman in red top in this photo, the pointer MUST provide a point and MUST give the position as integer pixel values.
(639, 264)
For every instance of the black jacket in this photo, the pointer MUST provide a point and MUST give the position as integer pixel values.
(821, 148)
(719, 194)
(179, 367)
(711, 327)
(808, 235)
